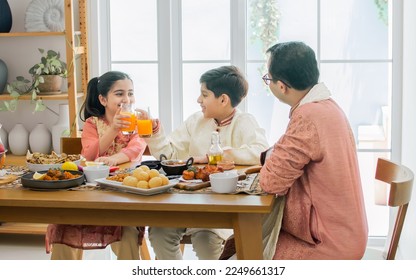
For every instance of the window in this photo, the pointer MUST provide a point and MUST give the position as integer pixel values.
(167, 45)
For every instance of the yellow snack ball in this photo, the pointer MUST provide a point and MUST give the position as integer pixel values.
(140, 175)
(130, 181)
(155, 182)
(153, 173)
(143, 184)
(144, 167)
(165, 180)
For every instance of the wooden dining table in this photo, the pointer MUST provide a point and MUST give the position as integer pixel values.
(241, 212)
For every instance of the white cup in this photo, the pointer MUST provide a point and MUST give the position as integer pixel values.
(96, 172)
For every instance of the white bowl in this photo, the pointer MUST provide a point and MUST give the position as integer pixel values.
(45, 167)
(96, 172)
(224, 182)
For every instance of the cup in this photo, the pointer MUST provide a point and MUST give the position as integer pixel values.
(96, 172)
(144, 124)
(128, 110)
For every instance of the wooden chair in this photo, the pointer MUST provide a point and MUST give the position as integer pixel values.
(396, 194)
(72, 145)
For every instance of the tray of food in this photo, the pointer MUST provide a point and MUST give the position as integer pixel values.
(142, 180)
(53, 179)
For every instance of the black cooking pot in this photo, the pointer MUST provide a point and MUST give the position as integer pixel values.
(175, 166)
(152, 164)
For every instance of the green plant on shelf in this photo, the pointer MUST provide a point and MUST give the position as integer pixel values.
(50, 64)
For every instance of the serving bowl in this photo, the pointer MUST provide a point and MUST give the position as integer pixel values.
(224, 182)
(175, 166)
(152, 164)
(93, 173)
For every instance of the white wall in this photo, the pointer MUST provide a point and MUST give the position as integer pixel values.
(407, 245)
(20, 54)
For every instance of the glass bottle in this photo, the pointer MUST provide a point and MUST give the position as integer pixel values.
(215, 151)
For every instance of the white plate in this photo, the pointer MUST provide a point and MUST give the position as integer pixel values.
(119, 187)
(45, 167)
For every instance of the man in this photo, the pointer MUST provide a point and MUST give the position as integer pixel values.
(314, 164)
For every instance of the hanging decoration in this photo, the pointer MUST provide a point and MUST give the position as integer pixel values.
(383, 10)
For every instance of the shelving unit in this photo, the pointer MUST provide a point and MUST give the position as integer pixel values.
(73, 49)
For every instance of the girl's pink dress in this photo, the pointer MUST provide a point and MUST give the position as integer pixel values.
(96, 237)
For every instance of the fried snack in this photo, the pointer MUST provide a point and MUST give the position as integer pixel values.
(188, 174)
(204, 172)
(153, 173)
(57, 175)
(165, 180)
(140, 174)
(143, 185)
(118, 177)
(155, 182)
(130, 181)
(53, 158)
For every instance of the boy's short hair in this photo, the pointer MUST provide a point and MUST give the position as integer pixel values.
(226, 80)
(294, 64)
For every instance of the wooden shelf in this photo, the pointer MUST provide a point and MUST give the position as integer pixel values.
(31, 34)
(23, 228)
(62, 96)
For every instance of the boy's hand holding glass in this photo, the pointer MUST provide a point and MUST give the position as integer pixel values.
(128, 110)
(144, 123)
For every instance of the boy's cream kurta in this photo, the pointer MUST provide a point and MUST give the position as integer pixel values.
(315, 165)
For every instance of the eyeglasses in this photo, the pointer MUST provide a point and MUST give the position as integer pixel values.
(266, 78)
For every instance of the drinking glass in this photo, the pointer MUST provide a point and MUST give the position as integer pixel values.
(144, 124)
(128, 110)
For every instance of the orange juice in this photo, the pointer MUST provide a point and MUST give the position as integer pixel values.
(144, 128)
(130, 117)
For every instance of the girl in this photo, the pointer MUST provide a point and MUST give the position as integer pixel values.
(103, 141)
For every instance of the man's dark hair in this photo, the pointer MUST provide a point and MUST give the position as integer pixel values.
(294, 64)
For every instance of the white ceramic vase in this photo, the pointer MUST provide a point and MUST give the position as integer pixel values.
(40, 139)
(19, 140)
(60, 128)
(3, 137)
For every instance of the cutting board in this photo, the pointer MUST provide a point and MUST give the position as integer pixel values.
(192, 186)
(7, 179)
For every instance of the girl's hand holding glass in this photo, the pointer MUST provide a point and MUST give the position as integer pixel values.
(129, 115)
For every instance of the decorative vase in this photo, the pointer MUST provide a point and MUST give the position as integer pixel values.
(3, 137)
(6, 19)
(3, 75)
(60, 128)
(40, 139)
(19, 140)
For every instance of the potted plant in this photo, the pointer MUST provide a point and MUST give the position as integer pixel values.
(49, 69)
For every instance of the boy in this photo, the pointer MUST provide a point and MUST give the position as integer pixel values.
(222, 89)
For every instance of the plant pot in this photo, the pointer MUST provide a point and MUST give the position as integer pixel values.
(3, 76)
(52, 85)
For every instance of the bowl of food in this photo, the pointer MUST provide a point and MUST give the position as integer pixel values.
(152, 164)
(42, 162)
(224, 182)
(175, 166)
(95, 172)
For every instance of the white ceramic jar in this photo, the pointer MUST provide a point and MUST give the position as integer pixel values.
(60, 127)
(40, 139)
(19, 140)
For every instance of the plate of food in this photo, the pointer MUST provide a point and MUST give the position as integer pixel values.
(44, 162)
(118, 186)
(52, 179)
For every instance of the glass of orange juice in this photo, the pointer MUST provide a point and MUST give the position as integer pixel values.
(144, 124)
(128, 111)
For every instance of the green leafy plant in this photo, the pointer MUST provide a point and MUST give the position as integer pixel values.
(50, 64)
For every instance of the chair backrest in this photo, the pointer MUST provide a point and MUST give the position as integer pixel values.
(400, 179)
(71, 145)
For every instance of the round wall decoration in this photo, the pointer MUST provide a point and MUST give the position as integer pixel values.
(45, 15)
